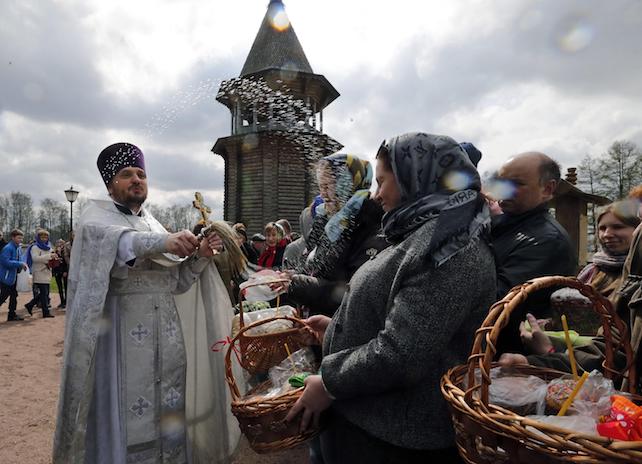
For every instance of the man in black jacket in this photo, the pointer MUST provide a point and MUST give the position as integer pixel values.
(528, 241)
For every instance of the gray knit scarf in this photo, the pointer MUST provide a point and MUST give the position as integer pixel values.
(609, 261)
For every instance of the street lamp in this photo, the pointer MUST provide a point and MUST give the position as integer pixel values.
(71, 195)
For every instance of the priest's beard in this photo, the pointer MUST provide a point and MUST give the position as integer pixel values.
(133, 198)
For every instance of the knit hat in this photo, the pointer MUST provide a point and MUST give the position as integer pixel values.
(473, 153)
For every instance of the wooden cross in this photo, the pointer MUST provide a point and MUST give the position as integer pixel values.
(202, 207)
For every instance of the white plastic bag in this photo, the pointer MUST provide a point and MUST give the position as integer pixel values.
(270, 327)
(258, 287)
(301, 361)
(594, 398)
(23, 282)
(522, 394)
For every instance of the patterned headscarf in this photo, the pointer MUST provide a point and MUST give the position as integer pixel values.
(436, 179)
(353, 178)
(331, 234)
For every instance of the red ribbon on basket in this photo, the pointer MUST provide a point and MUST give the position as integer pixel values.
(220, 345)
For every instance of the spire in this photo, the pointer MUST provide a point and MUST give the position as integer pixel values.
(276, 44)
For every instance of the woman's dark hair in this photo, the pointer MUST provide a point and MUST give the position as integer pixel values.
(384, 155)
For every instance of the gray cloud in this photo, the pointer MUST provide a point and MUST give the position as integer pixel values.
(581, 50)
(56, 115)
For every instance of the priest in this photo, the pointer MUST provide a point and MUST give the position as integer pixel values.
(126, 375)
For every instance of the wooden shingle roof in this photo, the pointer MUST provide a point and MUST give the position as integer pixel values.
(565, 188)
(276, 45)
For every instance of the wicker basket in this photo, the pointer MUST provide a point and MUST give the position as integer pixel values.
(262, 420)
(259, 352)
(490, 434)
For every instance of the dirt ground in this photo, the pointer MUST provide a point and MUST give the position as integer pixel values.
(30, 359)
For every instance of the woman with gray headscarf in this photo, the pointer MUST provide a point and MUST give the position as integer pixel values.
(409, 314)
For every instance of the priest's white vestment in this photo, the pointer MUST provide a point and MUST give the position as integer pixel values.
(139, 382)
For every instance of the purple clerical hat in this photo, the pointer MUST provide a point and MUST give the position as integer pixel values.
(118, 156)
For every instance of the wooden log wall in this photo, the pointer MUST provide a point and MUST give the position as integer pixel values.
(268, 177)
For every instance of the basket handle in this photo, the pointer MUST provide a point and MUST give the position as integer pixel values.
(484, 346)
(275, 281)
(229, 375)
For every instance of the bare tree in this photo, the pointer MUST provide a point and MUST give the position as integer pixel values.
(162, 215)
(174, 217)
(611, 175)
(614, 173)
(63, 220)
(16, 210)
(5, 206)
(587, 179)
(53, 216)
(183, 217)
(620, 169)
(21, 213)
(47, 215)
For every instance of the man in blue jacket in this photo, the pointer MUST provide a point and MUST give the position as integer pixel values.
(10, 265)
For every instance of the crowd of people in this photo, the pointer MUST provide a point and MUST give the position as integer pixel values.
(615, 274)
(395, 284)
(41, 259)
(398, 282)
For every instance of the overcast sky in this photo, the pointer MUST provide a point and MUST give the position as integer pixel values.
(77, 75)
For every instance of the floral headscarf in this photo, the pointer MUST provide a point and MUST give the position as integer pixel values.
(351, 178)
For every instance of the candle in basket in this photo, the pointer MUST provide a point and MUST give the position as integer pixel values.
(576, 390)
(569, 347)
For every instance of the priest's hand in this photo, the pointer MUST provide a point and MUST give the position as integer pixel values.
(313, 402)
(210, 246)
(181, 243)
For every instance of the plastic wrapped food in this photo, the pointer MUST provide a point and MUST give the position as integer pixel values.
(594, 397)
(250, 307)
(592, 400)
(258, 287)
(298, 380)
(298, 363)
(624, 421)
(301, 361)
(270, 327)
(521, 394)
(558, 391)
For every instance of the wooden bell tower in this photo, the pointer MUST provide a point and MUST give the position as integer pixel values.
(276, 107)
